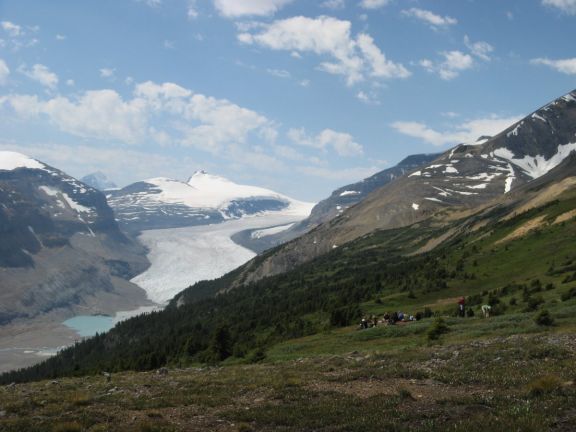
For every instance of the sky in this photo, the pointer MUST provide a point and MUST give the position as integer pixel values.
(298, 96)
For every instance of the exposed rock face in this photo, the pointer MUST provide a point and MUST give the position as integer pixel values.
(464, 177)
(59, 242)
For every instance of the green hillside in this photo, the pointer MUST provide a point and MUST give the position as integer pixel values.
(517, 274)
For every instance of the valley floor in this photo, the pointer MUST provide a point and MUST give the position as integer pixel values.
(479, 376)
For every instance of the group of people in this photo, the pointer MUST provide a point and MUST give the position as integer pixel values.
(486, 309)
(386, 319)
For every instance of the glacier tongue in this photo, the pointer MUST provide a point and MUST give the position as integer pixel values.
(181, 257)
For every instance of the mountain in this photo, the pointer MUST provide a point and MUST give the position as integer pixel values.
(465, 177)
(204, 199)
(61, 246)
(98, 180)
(333, 206)
(514, 252)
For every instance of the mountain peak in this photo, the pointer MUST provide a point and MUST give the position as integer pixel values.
(98, 180)
(10, 160)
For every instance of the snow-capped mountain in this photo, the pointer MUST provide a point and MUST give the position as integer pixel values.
(462, 178)
(98, 180)
(204, 199)
(60, 245)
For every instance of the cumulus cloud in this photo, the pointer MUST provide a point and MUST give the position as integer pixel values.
(566, 6)
(333, 4)
(107, 72)
(42, 75)
(373, 4)
(4, 72)
(236, 8)
(466, 132)
(194, 119)
(355, 58)
(435, 21)
(13, 30)
(342, 143)
(566, 66)
(480, 49)
(453, 63)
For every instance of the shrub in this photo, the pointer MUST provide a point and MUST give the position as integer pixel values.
(428, 312)
(543, 318)
(568, 294)
(543, 385)
(437, 329)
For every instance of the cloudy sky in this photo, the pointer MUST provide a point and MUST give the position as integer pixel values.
(295, 95)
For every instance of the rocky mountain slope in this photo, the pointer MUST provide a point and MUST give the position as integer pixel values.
(333, 206)
(204, 199)
(465, 177)
(98, 180)
(61, 246)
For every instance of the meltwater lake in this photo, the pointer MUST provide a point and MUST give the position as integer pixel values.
(89, 325)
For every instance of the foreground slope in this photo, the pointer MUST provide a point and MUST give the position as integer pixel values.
(61, 246)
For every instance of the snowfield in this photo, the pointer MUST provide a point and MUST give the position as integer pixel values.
(181, 257)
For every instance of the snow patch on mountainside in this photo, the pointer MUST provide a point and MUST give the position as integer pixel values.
(12, 160)
(536, 166)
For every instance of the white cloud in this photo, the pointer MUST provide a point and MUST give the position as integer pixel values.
(354, 58)
(333, 4)
(479, 49)
(566, 6)
(466, 132)
(107, 72)
(4, 72)
(151, 3)
(60, 37)
(279, 73)
(342, 143)
(454, 62)
(191, 119)
(70, 82)
(192, 11)
(237, 8)
(367, 98)
(566, 66)
(13, 30)
(41, 74)
(304, 83)
(373, 4)
(430, 18)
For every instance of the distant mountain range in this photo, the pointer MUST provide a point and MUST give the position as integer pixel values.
(60, 245)
(204, 199)
(339, 201)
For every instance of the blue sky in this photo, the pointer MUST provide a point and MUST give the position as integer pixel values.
(295, 95)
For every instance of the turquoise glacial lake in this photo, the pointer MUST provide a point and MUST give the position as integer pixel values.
(89, 325)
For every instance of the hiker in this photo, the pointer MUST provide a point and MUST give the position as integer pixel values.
(400, 316)
(486, 310)
(364, 323)
(461, 307)
(386, 318)
(375, 321)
